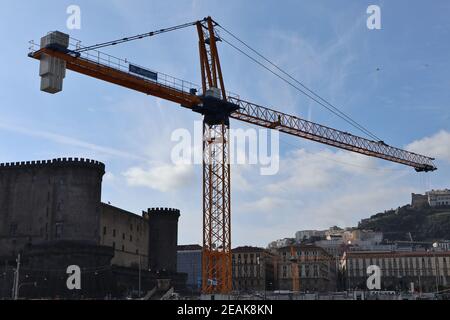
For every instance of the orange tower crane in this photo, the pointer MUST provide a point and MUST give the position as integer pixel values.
(216, 107)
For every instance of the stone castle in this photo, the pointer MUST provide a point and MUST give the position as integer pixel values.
(52, 215)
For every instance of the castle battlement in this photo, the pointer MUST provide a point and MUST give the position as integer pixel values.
(165, 211)
(59, 162)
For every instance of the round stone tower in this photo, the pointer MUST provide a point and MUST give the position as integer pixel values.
(163, 238)
(51, 200)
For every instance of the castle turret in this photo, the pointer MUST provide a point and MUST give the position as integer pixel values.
(163, 233)
(50, 200)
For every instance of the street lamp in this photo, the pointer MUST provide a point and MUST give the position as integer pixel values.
(436, 262)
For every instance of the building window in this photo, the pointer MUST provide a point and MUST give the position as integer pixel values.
(137, 251)
(316, 271)
(123, 236)
(114, 246)
(13, 229)
(131, 238)
(104, 230)
(114, 233)
(58, 230)
(131, 227)
(123, 248)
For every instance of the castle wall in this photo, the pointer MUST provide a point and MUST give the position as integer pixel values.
(127, 233)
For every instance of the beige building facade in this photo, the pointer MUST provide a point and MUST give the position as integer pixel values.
(127, 234)
(316, 269)
(426, 270)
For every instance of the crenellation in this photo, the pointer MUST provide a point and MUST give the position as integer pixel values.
(54, 163)
(162, 211)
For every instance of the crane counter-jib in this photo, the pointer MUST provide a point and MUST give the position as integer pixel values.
(180, 93)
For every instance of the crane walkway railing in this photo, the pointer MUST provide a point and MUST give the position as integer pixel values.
(123, 65)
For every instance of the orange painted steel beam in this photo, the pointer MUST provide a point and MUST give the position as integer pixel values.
(121, 78)
(216, 254)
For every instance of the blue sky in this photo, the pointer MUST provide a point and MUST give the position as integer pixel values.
(395, 81)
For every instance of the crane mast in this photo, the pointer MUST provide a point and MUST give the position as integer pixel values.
(217, 107)
(216, 110)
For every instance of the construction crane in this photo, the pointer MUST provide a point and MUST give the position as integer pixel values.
(217, 107)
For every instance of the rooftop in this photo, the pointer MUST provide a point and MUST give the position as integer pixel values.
(248, 249)
(189, 247)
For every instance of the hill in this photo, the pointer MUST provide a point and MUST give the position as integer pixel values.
(404, 223)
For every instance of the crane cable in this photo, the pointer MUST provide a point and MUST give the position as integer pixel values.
(312, 95)
(136, 37)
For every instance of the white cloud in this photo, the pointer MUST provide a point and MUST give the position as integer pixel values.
(263, 204)
(109, 177)
(437, 146)
(307, 171)
(346, 208)
(161, 177)
(238, 180)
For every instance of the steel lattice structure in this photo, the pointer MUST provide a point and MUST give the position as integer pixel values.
(217, 212)
(216, 255)
(265, 117)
